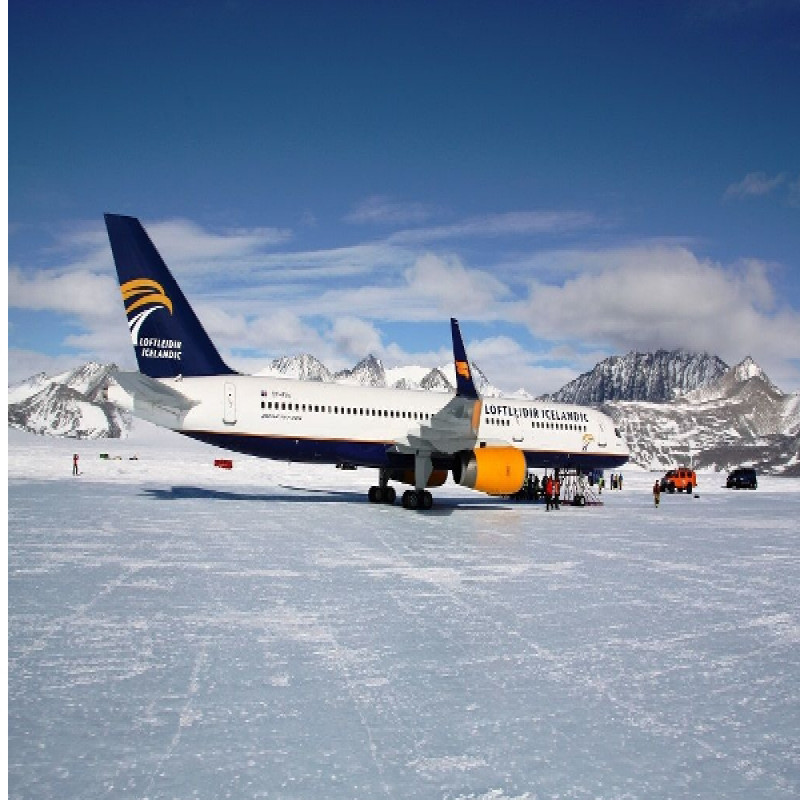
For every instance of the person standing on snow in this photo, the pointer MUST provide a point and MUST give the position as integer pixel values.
(656, 493)
(74, 463)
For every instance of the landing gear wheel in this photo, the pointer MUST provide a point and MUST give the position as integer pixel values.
(381, 494)
(410, 500)
(414, 500)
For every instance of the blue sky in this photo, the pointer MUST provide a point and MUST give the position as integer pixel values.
(571, 180)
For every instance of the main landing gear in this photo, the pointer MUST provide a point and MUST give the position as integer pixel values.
(413, 499)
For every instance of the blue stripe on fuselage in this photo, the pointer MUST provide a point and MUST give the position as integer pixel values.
(377, 454)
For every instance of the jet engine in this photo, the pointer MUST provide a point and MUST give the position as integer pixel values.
(493, 470)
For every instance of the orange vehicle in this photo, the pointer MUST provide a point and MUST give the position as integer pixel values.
(681, 479)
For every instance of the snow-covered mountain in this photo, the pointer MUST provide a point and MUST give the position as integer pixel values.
(713, 416)
(70, 404)
(368, 372)
(741, 417)
(304, 367)
(371, 372)
(647, 377)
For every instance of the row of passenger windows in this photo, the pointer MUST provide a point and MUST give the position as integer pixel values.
(271, 405)
(554, 426)
(358, 412)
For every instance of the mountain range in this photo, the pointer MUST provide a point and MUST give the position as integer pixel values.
(671, 406)
(69, 404)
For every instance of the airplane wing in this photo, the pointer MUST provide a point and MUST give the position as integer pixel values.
(451, 430)
(149, 390)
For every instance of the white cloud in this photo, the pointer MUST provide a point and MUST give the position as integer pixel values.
(332, 303)
(185, 243)
(662, 297)
(515, 223)
(282, 332)
(382, 210)
(433, 287)
(74, 291)
(354, 337)
(755, 184)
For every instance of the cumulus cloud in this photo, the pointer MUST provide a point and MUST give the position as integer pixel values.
(432, 287)
(354, 337)
(74, 291)
(282, 332)
(661, 297)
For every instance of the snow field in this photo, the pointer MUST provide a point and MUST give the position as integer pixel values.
(176, 630)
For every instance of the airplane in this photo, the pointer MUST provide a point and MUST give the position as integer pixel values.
(414, 437)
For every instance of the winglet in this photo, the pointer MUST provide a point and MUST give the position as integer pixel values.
(465, 386)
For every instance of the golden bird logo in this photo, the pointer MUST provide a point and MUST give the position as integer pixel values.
(145, 294)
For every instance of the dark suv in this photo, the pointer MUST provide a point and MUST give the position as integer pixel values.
(742, 478)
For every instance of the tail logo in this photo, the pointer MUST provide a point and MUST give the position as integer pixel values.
(142, 297)
(462, 368)
(143, 292)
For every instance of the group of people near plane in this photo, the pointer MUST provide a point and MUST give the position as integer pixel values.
(548, 487)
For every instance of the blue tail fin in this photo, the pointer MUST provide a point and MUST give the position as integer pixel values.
(465, 386)
(166, 334)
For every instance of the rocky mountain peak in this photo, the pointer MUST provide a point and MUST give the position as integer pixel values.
(368, 372)
(746, 380)
(304, 367)
(748, 369)
(642, 377)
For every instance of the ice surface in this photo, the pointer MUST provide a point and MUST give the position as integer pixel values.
(179, 631)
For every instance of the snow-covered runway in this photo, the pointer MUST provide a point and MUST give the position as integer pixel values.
(177, 631)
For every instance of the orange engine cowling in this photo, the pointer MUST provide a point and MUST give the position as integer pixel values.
(493, 470)
(437, 478)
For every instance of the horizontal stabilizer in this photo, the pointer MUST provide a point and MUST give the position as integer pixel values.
(149, 390)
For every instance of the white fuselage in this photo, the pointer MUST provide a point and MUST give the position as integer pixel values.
(314, 421)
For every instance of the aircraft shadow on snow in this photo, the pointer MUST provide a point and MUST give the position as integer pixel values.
(303, 495)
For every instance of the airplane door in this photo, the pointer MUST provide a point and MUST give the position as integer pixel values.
(229, 404)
